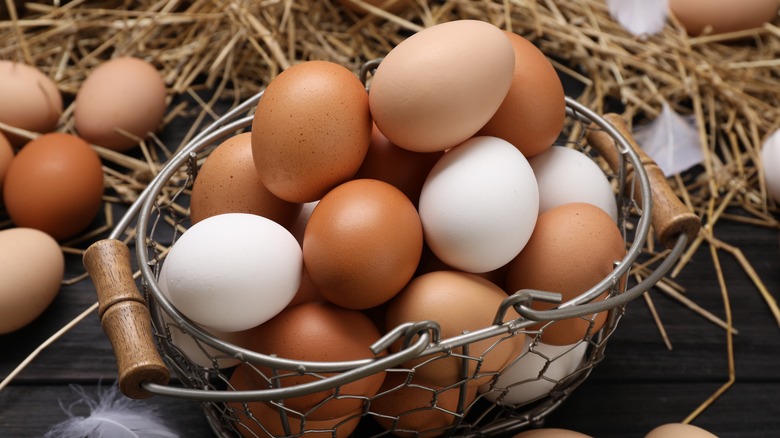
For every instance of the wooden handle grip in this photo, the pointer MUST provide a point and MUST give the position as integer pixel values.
(670, 217)
(125, 318)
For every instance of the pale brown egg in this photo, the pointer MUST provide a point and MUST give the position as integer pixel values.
(228, 182)
(362, 243)
(551, 433)
(404, 169)
(310, 130)
(320, 332)
(416, 409)
(458, 302)
(677, 430)
(267, 420)
(31, 271)
(573, 247)
(54, 184)
(122, 101)
(722, 16)
(6, 155)
(532, 114)
(31, 100)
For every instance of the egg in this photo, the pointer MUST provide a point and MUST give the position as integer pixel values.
(404, 169)
(54, 184)
(6, 155)
(567, 175)
(770, 164)
(675, 430)
(458, 302)
(535, 373)
(531, 115)
(318, 332)
(233, 271)
(362, 243)
(228, 182)
(266, 420)
(438, 87)
(310, 131)
(31, 100)
(31, 271)
(120, 102)
(410, 409)
(551, 432)
(722, 16)
(573, 247)
(479, 204)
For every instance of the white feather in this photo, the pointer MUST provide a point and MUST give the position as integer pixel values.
(672, 141)
(640, 17)
(112, 415)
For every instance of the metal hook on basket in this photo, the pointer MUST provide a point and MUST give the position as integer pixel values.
(523, 298)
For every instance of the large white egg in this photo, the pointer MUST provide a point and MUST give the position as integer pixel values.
(535, 373)
(233, 271)
(566, 175)
(479, 205)
(770, 162)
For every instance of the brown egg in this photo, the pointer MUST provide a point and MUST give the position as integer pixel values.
(121, 102)
(551, 433)
(362, 243)
(6, 155)
(417, 410)
(320, 332)
(573, 247)
(677, 430)
(267, 420)
(532, 114)
(54, 184)
(310, 130)
(31, 100)
(228, 183)
(404, 169)
(722, 16)
(458, 302)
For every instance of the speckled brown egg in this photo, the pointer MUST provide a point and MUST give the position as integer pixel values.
(400, 167)
(122, 101)
(31, 100)
(458, 302)
(319, 332)
(362, 243)
(532, 114)
(228, 182)
(310, 130)
(573, 247)
(54, 184)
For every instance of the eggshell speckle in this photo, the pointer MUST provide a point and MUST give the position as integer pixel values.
(310, 130)
(233, 271)
(573, 247)
(319, 332)
(459, 302)
(479, 205)
(532, 114)
(438, 87)
(362, 243)
(31, 270)
(31, 100)
(228, 182)
(122, 94)
(54, 184)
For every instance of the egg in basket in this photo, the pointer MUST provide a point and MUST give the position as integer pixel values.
(436, 246)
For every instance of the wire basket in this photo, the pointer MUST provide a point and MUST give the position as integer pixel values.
(147, 331)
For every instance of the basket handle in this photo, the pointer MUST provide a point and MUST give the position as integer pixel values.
(125, 318)
(670, 217)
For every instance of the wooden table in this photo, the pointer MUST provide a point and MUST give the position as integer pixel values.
(639, 385)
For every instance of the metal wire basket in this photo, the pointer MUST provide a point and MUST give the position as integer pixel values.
(146, 330)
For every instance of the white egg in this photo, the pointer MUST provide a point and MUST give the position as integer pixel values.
(234, 271)
(770, 162)
(535, 373)
(479, 205)
(566, 175)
